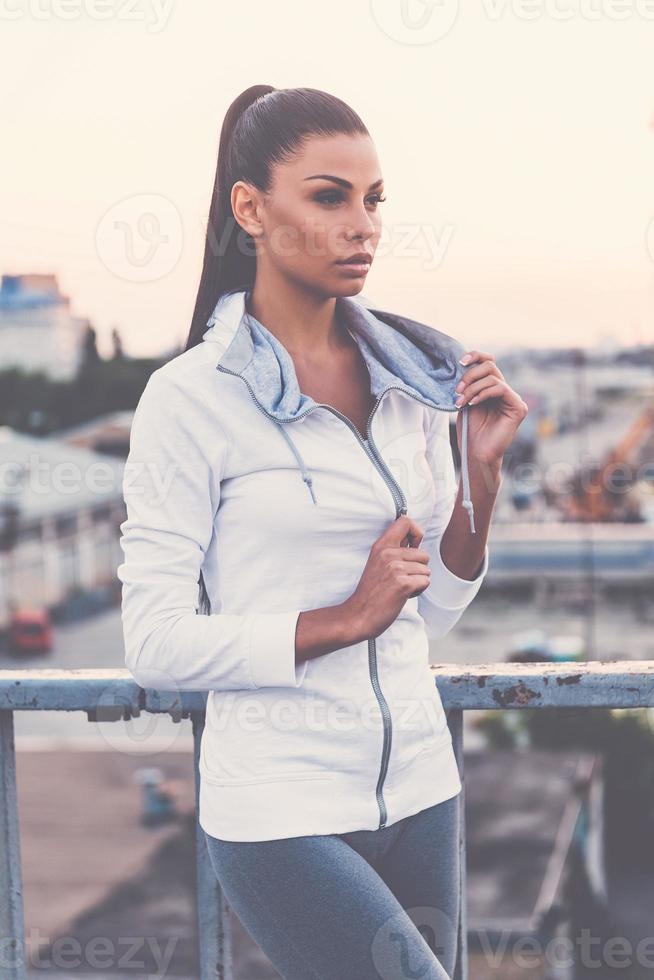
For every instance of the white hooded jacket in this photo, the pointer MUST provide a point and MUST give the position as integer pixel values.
(275, 500)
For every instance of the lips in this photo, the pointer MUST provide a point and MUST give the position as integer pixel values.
(361, 258)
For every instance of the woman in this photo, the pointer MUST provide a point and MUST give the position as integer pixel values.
(283, 462)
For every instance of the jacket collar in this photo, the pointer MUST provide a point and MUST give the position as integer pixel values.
(399, 352)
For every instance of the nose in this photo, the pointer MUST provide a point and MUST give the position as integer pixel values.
(363, 226)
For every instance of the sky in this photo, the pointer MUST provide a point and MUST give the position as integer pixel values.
(516, 140)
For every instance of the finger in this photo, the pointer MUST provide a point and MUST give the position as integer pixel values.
(416, 555)
(421, 581)
(475, 389)
(412, 539)
(496, 391)
(413, 534)
(400, 530)
(417, 572)
(487, 369)
(476, 355)
(508, 396)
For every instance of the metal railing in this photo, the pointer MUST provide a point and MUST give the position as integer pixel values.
(112, 695)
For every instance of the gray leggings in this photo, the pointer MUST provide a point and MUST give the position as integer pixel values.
(364, 905)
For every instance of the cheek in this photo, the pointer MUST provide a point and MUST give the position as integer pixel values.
(284, 232)
(297, 242)
(323, 235)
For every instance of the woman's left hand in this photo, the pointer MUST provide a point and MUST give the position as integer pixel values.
(499, 410)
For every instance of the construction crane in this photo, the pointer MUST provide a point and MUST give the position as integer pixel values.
(600, 495)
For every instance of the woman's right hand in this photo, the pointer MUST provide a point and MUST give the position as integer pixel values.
(393, 574)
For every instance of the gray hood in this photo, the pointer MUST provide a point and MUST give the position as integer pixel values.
(399, 353)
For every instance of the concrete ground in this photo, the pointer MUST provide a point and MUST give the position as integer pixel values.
(82, 842)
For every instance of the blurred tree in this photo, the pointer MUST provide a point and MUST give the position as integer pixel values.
(118, 353)
(89, 348)
(33, 402)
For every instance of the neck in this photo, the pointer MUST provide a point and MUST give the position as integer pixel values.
(303, 321)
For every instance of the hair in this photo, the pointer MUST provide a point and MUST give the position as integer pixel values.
(263, 126)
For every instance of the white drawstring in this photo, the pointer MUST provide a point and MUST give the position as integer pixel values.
(467, 502)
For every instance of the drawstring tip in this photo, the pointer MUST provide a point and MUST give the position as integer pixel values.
(306, 476)
(469, 506)
(309, 482)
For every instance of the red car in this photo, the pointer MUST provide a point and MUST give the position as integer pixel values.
(30, 631)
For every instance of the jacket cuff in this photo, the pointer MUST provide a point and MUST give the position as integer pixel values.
(272, 651)
(451, 591)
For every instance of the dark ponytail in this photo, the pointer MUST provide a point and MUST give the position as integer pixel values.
(263, 126)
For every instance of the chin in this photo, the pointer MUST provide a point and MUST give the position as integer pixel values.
(330, 286)
(351, 287)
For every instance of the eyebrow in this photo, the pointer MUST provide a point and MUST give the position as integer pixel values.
(342, 182)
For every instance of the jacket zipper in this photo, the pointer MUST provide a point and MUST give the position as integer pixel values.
(399, 500)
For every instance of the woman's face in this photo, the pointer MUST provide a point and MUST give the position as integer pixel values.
(322, 208)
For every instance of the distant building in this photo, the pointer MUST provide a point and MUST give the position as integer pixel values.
(60, 511)
(553, 386)
(37, 330)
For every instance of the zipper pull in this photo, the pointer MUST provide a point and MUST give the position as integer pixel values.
(401, 513)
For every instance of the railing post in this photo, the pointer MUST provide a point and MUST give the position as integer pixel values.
(214, 933)
(455, 721)
(12, 924)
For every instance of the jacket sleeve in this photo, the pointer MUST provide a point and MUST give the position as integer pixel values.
(171, 488)
(442, 604)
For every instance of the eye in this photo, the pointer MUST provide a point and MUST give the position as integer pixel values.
(335, 197)
(329, 197)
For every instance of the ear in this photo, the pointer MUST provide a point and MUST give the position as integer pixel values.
(246, 205)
